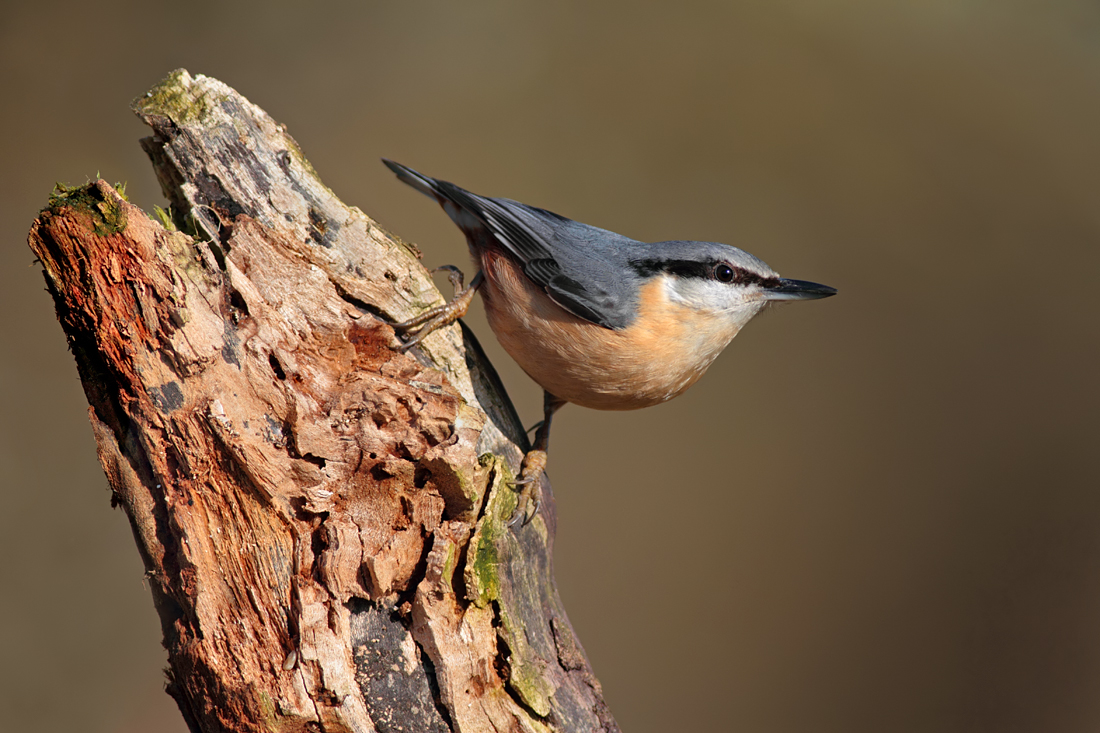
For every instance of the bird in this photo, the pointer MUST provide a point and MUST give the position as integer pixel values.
(595, 318)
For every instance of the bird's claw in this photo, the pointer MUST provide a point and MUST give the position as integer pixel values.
(530, 495)
(454, 275)
(525, 516)
(441, 315)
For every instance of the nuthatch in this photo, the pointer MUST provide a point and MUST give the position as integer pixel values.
(596, 318)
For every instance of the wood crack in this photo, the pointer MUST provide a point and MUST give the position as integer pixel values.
(319, 515)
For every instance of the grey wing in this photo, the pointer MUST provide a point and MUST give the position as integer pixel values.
(541, 241)
(590, 303)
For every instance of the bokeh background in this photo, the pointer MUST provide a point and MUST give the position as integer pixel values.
(879, 512)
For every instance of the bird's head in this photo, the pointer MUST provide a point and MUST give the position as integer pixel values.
(724, 285)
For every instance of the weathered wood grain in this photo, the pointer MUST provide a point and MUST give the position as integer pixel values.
(322, 518)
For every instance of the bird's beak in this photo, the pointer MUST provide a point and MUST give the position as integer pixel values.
(797, 290)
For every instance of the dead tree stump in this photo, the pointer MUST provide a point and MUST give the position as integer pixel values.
(322, 518)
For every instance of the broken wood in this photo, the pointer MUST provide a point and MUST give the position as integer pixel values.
(322, 518)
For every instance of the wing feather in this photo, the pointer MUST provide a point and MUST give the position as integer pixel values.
(516, 226)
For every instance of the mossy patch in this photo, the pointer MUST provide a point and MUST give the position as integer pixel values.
(164, 217)
(490, 546)
(268, 710)
(108, 216)
(176, 98)
(483, 558)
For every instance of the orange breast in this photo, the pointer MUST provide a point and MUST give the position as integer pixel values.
(667, 348)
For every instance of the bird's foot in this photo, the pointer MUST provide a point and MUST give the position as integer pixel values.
(530, 499)
(441, 315)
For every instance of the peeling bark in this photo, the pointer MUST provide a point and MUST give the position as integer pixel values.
(322, 518)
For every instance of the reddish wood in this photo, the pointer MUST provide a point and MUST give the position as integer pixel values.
(322, 518)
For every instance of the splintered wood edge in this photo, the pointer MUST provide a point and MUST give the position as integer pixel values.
(275, 199)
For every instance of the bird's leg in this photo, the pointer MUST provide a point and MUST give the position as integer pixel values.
(534, 463)
(442, 315)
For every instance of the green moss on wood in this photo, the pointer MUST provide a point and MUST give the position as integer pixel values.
(177, 99)
(108, 216)
(164, 217)
(483, 558)
(491, 540)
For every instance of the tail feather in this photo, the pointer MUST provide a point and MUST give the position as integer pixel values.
(526, 234)
(472, 212)
(420, 182)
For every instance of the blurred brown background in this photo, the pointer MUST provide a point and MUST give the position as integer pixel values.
(879, 512)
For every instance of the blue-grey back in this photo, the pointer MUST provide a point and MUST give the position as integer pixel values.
(593, 273)
(591, 265)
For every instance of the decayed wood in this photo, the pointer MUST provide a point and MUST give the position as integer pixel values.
(322, 518)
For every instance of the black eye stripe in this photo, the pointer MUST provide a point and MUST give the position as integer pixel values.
(701, 270)
(679, 268)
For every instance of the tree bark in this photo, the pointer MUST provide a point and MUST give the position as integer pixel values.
(321, 517)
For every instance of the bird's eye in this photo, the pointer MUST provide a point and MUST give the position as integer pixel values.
(723, 273)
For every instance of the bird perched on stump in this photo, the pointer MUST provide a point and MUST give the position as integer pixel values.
(596, 318)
